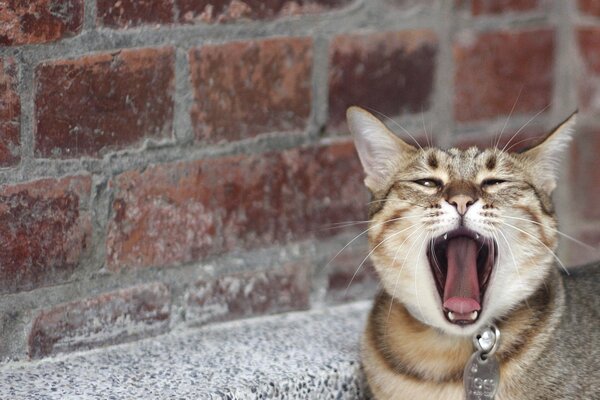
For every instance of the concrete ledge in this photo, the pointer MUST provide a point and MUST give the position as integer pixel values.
(306, 355)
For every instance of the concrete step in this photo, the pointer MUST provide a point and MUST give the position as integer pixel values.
(303, 355)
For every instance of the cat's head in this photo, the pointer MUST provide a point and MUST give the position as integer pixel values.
(459, 237)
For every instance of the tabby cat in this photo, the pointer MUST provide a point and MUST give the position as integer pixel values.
(461, 240)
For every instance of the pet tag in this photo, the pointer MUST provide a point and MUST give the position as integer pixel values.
(481, 377)
(482, 372)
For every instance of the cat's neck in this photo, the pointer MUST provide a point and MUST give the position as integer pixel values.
(418, 351)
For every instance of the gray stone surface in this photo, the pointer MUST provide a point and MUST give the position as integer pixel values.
(306, 355)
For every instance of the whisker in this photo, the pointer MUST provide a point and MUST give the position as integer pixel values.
(523, 127)
(542, 243)
(402, 266)
(514, 262)
(337, 225)
(396, 200)
(371, 252)
(586, 245)
(508, 118)
(416, 286)
(425, 129)
(523, 141)
(344, 224)
(436, 262)
(362, 233)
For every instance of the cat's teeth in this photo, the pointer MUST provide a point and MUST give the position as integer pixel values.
(472, 316)
(446, 236)
(477, 236)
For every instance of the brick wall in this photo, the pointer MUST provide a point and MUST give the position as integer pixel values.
(172, 163)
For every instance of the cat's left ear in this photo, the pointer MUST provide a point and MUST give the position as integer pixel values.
(379, 150)
(545, 157)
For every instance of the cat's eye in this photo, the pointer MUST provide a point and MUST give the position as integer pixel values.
(491, 182)
(430, 183)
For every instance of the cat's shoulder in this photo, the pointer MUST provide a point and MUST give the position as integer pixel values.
(582, 273)
(582, 284)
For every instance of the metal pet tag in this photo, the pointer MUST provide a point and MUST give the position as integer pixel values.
(481, 377)
(482, 372)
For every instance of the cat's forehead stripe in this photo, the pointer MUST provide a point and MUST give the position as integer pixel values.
(432, 160)
(491, 162)
(461, 164)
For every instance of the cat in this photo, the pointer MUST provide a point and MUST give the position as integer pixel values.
(460, 240)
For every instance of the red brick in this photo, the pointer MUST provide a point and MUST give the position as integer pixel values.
(589, 47)
(10, 113)
(249, 294)
(39, 21)
(102, 102)
(110, 318)
(591, 7)
(44, 233)
(388, 72)
(243, 89)
(224, 11)
(131, 13)
(586, 172)
(171, 214)
(492, 68)
(479, 7)
(589, 82)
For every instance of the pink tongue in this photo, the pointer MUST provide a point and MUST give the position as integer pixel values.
(461, 292)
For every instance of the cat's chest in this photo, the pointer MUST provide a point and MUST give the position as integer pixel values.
(396, 387)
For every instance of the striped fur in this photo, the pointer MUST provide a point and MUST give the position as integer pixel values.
(410, 349)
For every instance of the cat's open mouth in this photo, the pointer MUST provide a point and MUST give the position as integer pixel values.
(462, 261)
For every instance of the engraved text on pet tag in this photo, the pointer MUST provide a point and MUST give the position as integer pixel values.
(482, 372)
(481, 377)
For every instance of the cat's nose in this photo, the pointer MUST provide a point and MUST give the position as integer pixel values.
(462, 202)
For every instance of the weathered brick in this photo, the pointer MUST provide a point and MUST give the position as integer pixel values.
(44, 232)
(249, 294)
(10, 113)
(110, 318)
(39, 21)
(102, 102)
(171, 214)
(242, 89)
(388, 72)
(589, 46)
(586, 172)
(591, 7)
(588, 40)
(494, 68)
(223, 11)
(411, 5)
(131, 13)
(479, 7)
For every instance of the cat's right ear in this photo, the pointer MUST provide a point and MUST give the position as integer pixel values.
(379, 149)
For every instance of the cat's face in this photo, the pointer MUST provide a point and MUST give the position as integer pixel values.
(458, 237)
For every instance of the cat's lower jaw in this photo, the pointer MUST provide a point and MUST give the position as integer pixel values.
(404, 358)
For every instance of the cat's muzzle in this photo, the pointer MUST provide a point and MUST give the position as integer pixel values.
(462, 261)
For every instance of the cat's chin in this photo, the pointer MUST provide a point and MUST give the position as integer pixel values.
(441, 324)
(462, 262)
